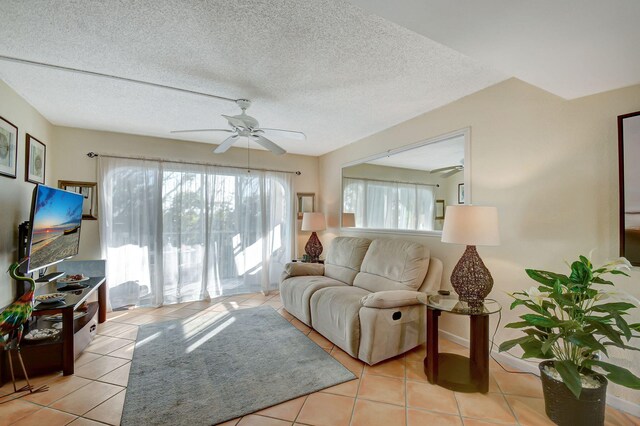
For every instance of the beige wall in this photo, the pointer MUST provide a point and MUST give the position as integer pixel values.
(72, 163)
(15, 194)
(549, 165)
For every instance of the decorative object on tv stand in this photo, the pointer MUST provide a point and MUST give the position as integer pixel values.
(348, 220)
(313, 221)
(12, 320)
(473, 226)
(574, 319)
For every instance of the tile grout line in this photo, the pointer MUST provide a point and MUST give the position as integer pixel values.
(355, 399)
(103, 402)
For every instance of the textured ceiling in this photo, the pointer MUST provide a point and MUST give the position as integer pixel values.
(572, 48)
(322, 67)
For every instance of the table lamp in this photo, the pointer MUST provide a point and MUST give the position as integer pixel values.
(473, 226)
(348, 220)
(313, 222)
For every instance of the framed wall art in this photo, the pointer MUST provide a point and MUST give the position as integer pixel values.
(461, 193)
(8, 149)
(36, 159)
(629, 179)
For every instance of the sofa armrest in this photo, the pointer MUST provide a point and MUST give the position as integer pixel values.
(393, 299)
(298, 269)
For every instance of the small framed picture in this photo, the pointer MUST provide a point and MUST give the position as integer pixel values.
(36, 158)
(461, 193)
(8, 149)
(439, 209)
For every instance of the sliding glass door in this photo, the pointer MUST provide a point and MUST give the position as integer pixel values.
(177, 232)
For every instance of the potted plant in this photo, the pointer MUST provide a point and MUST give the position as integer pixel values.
(574, 319)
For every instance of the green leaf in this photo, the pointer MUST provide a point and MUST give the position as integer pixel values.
(539, 320)
(546, 345)
(533, 306)
(543, 277)
(580, 273)
(586, 262)
(557, 287)
(618, 375)
(586, 340)
(533, 349)
(635, 326)
(604, 329)
(518, 324)
(613, 307)
(538, 333)
(505, 346)
(622, 325)
(616, 272)
(570, 376)
(515, 303)
(599, 280)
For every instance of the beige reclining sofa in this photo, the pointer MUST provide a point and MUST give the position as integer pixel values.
(367, 297)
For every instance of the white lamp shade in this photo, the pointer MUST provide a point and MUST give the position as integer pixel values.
(348, 220)
(313, 221)
(471, 225)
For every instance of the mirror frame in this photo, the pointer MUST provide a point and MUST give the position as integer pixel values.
(301, 196)
(92, 198)
(624, 182)
(465, 132)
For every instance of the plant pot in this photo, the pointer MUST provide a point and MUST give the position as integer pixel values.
(565, 409)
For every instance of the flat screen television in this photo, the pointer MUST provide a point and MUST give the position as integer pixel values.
(54, 230)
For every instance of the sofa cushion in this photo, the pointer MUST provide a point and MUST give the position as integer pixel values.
(393, 265)
(296, 293)
(335, 312)
(344, 258)
(299, 269)
(393, 299)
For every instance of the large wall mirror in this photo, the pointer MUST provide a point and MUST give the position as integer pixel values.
(408, 189)
(629, 160)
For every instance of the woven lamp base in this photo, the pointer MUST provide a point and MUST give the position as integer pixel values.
(471, 279)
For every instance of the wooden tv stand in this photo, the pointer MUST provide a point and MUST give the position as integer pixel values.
(60, 353)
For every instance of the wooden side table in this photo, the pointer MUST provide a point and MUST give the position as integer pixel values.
(453, 371)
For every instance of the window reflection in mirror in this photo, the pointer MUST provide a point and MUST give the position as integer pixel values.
(407, 189)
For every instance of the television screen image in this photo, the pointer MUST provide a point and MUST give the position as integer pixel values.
(56, 216)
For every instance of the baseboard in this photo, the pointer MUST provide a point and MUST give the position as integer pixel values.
(532, 367)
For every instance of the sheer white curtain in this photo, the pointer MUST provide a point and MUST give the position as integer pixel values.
(217, 231)
(130, 193)
(389, 205)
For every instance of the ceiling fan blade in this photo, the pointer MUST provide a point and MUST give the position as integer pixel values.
(292, 134)
(202, 130)
(226, 144)
(268, 144)
(451, 173)
(444, 169)
(235, 122)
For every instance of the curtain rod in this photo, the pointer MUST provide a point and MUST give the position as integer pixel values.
(162, 160)
(110, 76)
(393, 181)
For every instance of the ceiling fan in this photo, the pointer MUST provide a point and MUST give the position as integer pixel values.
(450, 170)
(246, 126)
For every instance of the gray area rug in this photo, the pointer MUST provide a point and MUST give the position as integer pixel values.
(213, 368)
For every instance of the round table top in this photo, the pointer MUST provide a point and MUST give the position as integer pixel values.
(455, 306)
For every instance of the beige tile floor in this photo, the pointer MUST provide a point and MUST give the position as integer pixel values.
(395, 392)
